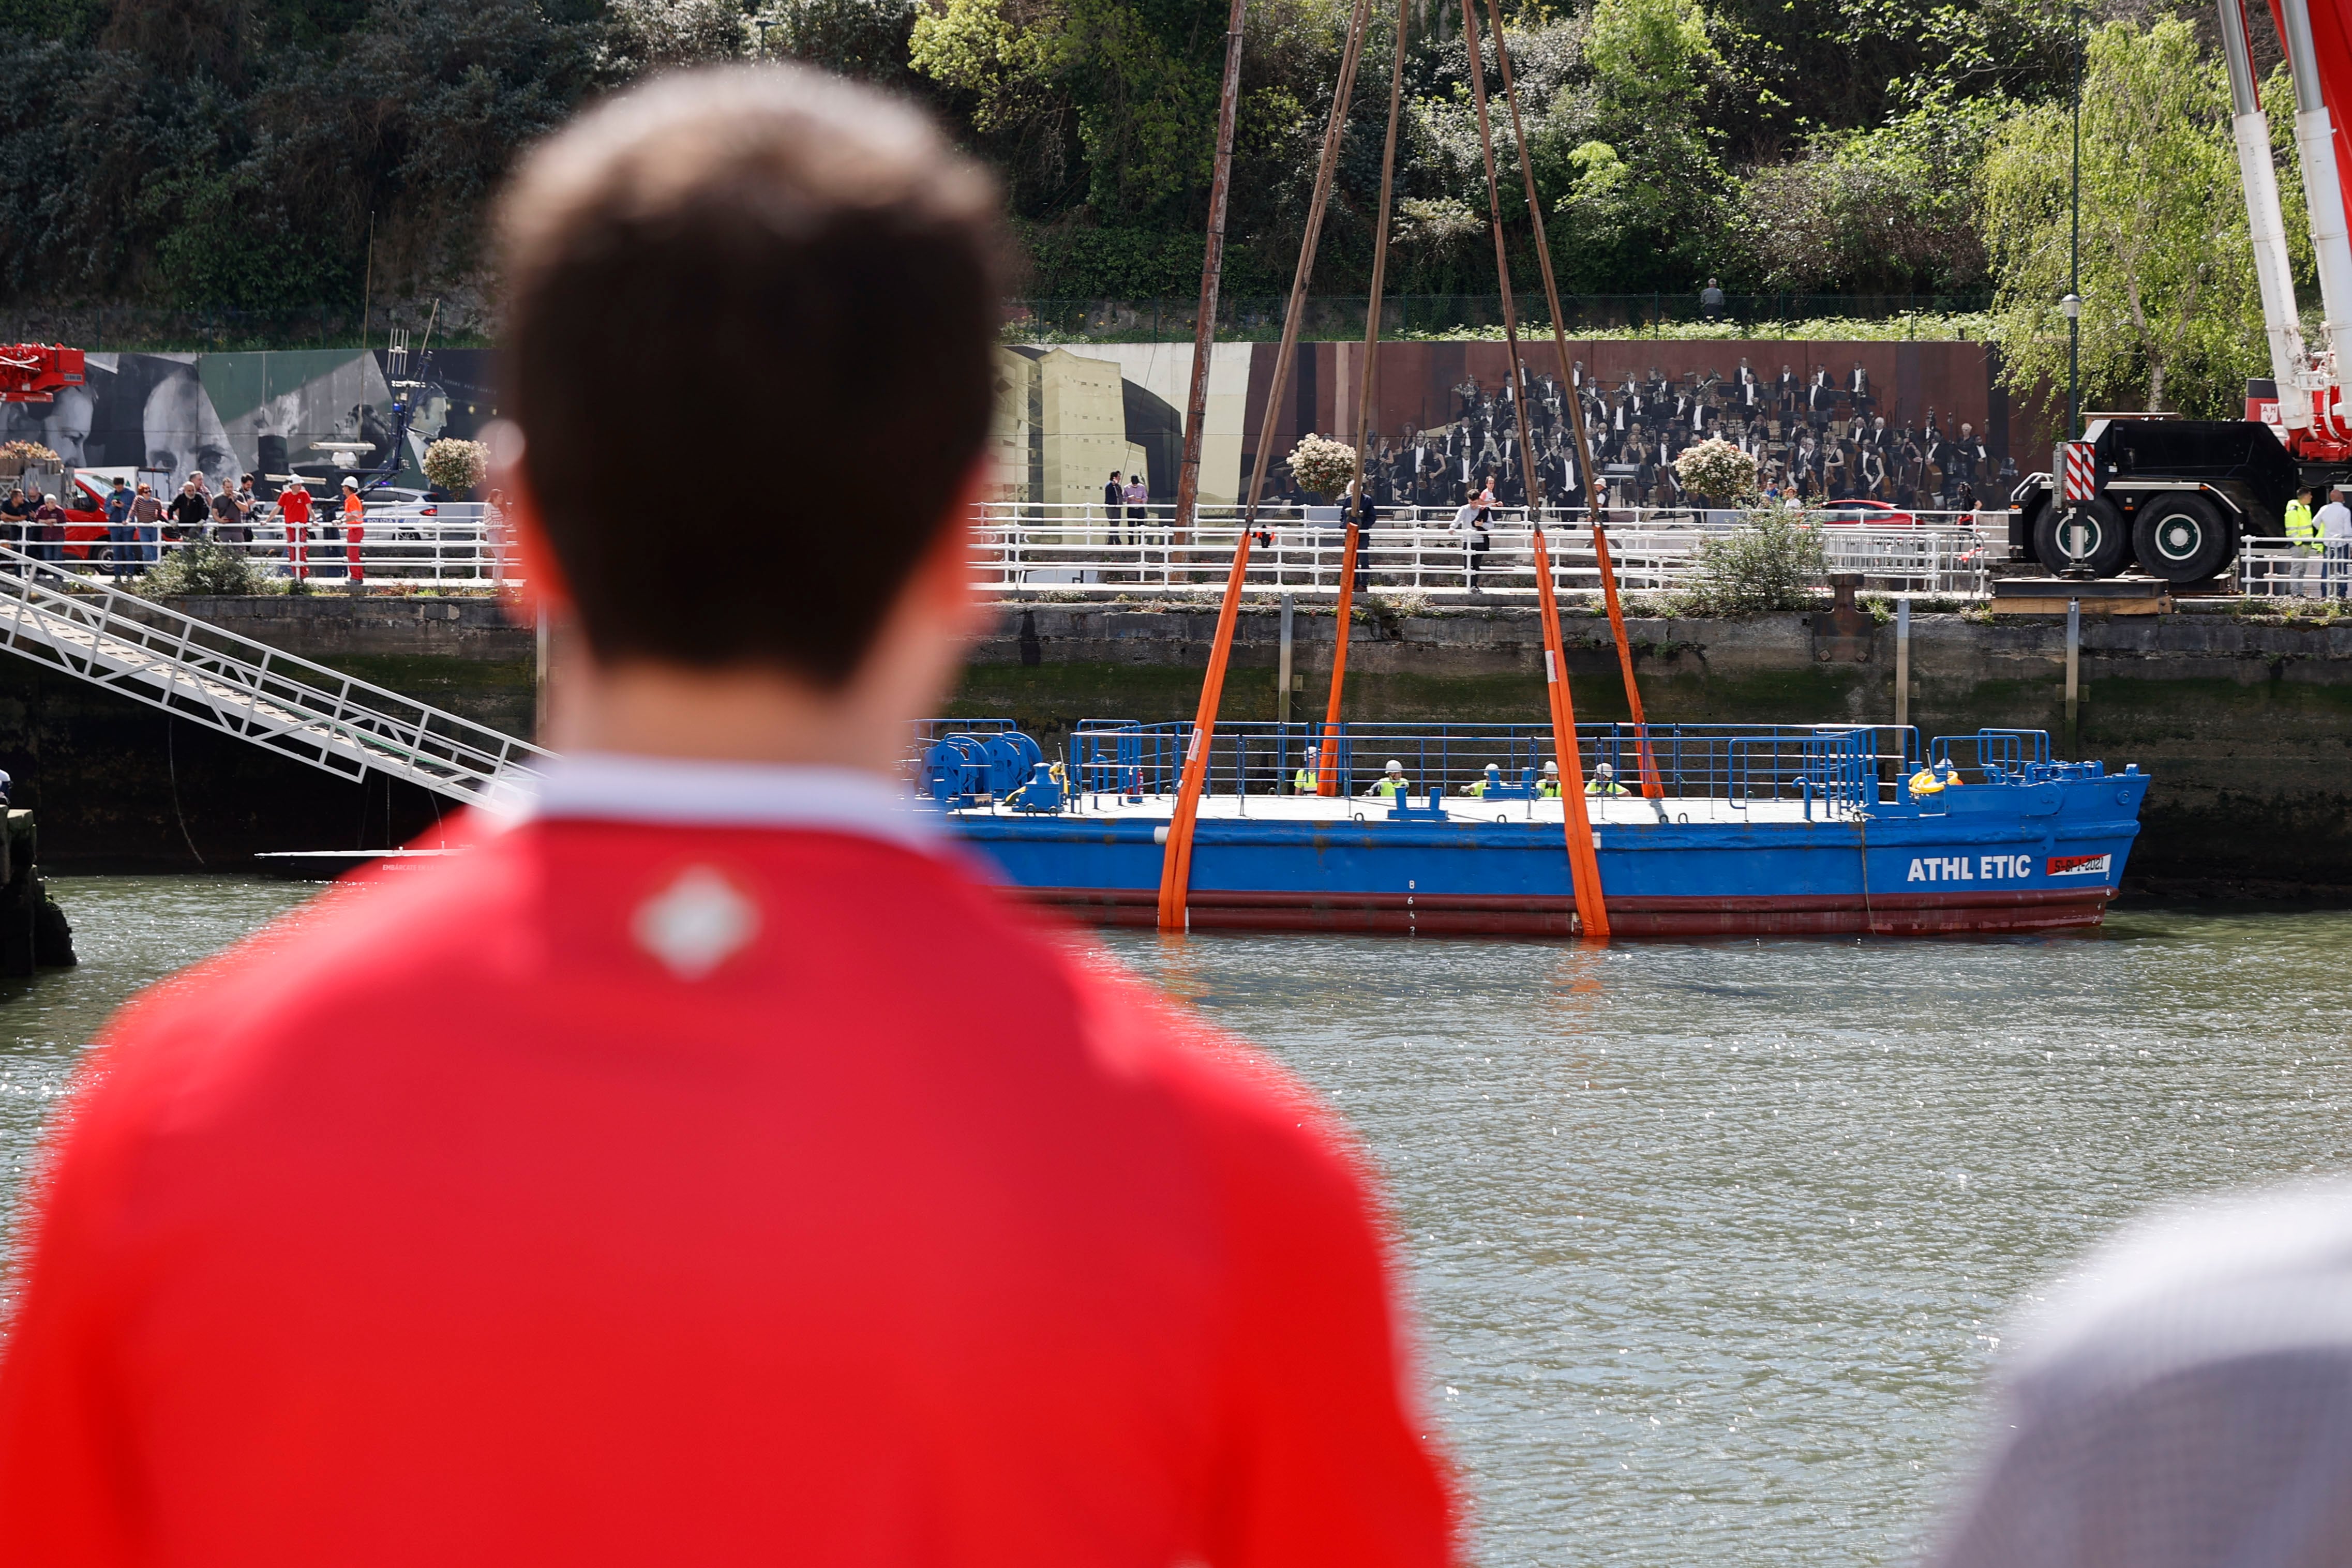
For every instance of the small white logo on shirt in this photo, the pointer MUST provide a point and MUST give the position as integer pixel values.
(694, 924)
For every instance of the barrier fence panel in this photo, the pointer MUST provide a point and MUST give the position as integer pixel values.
(1832, 769)
(2284, 569)
(1081, 551)
(1090, 551)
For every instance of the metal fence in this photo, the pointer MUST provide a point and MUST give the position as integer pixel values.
(1080, 551)
(2281, 568)
(1085, 551)
(1833, 768)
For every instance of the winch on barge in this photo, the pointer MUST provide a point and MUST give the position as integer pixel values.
(1755, 830)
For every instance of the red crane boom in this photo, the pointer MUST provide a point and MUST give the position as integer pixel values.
(36, 372)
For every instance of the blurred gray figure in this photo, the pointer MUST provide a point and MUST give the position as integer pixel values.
(2184, 1401)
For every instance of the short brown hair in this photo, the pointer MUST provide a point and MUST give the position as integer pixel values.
(820, 264)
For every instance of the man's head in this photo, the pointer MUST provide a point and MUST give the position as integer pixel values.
(350, 484)
(781, 232)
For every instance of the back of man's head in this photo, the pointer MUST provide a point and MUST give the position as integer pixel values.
(775, 239)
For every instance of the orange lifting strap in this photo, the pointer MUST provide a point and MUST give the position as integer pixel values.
(1176, 864)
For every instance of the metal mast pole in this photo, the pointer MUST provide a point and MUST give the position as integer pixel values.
(1176, 864)
(1213, 261)
(1652, 786)
(2075, 258)
(1583, 861)
(1327, 773)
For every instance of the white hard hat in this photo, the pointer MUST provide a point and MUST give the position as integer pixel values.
(1606, 771)
(1552, 767)
(1395, 766)
(350, 483)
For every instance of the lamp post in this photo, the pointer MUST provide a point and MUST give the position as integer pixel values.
(2073, 303)
(2072, 307)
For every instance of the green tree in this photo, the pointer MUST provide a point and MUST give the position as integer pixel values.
(2171, 315)
(1635, 177)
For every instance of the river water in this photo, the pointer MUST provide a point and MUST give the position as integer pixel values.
(1713, 1244)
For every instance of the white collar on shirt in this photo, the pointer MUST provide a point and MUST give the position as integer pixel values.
(670, 792)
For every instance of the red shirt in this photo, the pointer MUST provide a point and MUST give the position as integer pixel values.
(294, 506)
(629, 1192)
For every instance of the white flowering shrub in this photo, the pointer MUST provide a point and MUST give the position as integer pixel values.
(1715, 470)
(1322, 466)
(456, 466)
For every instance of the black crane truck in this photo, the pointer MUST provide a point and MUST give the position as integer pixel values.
(2172, 496)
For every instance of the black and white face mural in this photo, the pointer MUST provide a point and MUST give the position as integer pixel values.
(306, 414)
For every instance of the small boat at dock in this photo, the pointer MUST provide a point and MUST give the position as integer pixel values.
(1755, 830)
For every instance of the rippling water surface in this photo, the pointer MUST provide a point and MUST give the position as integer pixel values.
(1713, 1244)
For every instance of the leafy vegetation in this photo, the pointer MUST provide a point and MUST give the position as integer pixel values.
(198, 567)
(1773, 560)
(273, 155)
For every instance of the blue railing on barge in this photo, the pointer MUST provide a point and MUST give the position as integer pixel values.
(1841, 769)
(1840, 766)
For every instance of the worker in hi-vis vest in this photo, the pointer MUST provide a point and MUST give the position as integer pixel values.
(1549, 789)
(2303, 530)
(1391, 782)
(1604, 781)
(1308, 778)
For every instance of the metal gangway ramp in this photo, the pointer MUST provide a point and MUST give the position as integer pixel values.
(203, 672)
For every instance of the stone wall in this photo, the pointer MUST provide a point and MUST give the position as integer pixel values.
(2247, 728)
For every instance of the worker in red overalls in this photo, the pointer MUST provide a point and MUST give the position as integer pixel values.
(719, 1169)
(294, 512)
(355, 528)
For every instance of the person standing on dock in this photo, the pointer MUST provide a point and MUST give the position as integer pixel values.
(147, 515)
(678, 1212)
(355, 531)
(118, 532)
(2335, 521)
(294, 513)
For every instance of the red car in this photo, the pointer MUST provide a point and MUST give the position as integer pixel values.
(1866, 513)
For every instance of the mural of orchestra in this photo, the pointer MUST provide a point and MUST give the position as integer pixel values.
(1913, 425)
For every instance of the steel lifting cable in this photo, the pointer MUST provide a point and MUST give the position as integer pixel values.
(1653, 787)
(1326, 779)
(1176, 864)
(1212, 260)
(1583, 858)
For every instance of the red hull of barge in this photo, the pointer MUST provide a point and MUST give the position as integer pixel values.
(1894, 914)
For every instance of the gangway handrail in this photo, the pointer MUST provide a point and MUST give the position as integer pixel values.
(243, 687)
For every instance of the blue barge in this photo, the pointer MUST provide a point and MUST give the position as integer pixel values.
(1757, 830)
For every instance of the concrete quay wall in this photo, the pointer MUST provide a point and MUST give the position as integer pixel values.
(2247, 727)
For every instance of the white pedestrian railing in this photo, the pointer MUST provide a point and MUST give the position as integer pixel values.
(2285, 569)
(1022, 549)
(56, 615)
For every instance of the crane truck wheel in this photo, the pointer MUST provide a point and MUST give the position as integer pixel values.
(2104, 543)
(2182, 539)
